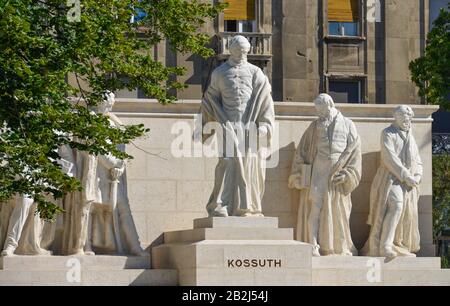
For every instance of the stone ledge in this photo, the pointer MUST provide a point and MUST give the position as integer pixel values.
(296, 109)
(58, 263)
(359, 277)
(135, 277)
(365, 262)
(199, 234)
(236, 222)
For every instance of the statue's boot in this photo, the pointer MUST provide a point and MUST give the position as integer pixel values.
(388, 252)
(8, 251)
(315, 250)
(219, 211)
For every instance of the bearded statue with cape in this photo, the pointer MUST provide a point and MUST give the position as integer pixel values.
(326, 169)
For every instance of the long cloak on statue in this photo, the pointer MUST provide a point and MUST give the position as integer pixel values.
(399, 159)
(37, 236)
(239, 95)
(89, 213)
(334, 229)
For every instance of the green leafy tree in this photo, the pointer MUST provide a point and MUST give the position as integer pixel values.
(441, 200)
(44, 41)
(441, 193)
(431, 72)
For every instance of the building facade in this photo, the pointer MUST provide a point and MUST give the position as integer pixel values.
(356, 50)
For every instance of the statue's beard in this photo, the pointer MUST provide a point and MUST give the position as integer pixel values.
(404, 126)
(326, 120)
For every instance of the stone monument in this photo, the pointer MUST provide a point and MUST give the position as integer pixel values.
(326, 169)
(395, 192)
(236, 250)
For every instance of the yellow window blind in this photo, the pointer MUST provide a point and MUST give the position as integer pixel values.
(239, 10)
(343, 10)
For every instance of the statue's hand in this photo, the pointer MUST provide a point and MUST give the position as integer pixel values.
(116, 173)
(411, 182)
(294, 181)
(418, 178)
(262, 131)
(339, 178)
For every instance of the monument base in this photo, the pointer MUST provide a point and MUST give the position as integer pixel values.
(95, 270)
(236, 251)
(378, 271)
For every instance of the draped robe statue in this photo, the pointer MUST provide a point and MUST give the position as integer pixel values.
(22, 231)
(99, 217)
(395, 192)
(239, 100)
(326, 169)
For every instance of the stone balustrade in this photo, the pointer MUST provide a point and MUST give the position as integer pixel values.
(261, 45)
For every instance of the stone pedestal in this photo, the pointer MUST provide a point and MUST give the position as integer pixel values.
(95, 270)
(378, 271)
(235, 251)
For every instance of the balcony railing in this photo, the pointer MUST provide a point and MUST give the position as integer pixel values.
(261, 45)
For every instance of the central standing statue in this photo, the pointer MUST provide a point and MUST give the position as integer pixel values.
(326, 169)
(239, 100)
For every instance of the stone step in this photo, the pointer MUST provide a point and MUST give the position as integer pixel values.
(364, 263)
(199, 234)
(132, 277)
(236, 222)
(360, 277)
(58, 263)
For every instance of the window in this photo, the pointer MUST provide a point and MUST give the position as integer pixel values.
(343, 17)
(343, 28)
(240, 26)
(239, 16)
(140, 14)
(345, 91)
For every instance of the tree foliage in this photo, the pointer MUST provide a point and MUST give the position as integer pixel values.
(431, 72)
(44, 41)
(441, 193)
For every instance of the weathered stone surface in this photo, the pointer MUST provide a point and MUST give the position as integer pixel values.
(97, 270)
(377, 271)
(236, 222)
(229, 234)
(153, 197)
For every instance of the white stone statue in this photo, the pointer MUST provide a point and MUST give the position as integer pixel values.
(23, 231)
(395, 192)
(21, 224)
(99, 218)
(326, 169)
(239, 100)
(77, 204)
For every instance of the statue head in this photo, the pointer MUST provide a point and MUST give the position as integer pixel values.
(403, 115)
(107, 104)
(239, 48)
(324, 105)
